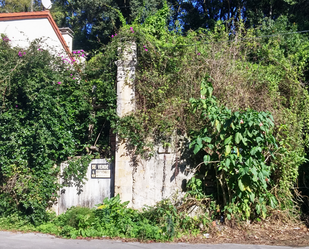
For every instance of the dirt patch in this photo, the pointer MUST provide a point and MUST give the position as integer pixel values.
(273, 231)
(257, 234)
(267, 232)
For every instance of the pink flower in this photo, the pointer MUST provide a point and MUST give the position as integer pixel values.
(71, 74)
(112, 36)
(146, 49)
(73, 78)
(115, 34)
(241, 121)
(261, 124)
(16, 106)
(74, 52)
(198, 53)
(59, 83)
(144, 46)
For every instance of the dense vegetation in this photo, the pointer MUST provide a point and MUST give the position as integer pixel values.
(93, 21)
(46, 115)
(113, 219)
(252, 136)
(238, 99)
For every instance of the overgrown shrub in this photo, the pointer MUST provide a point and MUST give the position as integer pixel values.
(262, 69)
(45, 112)
(113, 218)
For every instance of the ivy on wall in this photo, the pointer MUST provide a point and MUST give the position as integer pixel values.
(251, 71)
(50, 111)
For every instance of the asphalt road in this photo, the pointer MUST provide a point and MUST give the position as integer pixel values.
(9, 240)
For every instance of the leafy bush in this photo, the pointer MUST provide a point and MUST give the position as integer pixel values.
(240, 146)
(77, 217)
(115, 219)
(257, 74)
(44, 116)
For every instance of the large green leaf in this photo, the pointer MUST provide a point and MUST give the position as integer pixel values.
(206, 139)
(241, 185)
(227, 150)
(197, 148)
(251, 196)
(199, 141)
(238, 137)
(273, 202)
(254, 150)
(227, 162)
(218, 125)
(228, 140)
(206, 159)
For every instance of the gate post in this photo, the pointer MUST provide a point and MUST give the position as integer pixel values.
(125, 105)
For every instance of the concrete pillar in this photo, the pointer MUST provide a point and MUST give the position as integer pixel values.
(125, 105)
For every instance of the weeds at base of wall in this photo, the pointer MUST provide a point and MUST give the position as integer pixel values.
(113, 219)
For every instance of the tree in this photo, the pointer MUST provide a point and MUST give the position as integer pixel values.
(94, 21)
(19, 5)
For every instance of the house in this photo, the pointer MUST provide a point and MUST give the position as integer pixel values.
(24, 27)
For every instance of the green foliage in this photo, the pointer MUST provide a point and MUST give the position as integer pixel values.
(75, 172)
(20, 6)
(195, 188)
(240, 146)
(94, 21)
(257, 77)
(113, 218)
(45, 111)
(75, 221)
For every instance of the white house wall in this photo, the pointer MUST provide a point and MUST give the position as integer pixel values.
(23, 32)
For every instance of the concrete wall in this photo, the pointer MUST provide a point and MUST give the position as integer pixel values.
(140, 181)
(161, 177)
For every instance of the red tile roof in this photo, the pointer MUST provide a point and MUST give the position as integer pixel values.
(37, 15)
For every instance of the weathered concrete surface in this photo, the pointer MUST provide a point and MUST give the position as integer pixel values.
(93, 191)
(142, 182)
(10, 240)
(125, 105)
(163, 176)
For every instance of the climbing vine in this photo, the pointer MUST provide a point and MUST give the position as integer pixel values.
(252, 72)
(52, 109)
